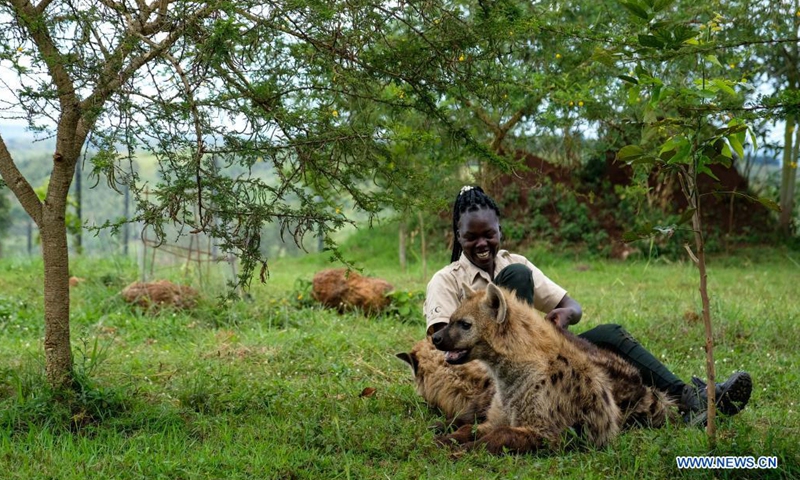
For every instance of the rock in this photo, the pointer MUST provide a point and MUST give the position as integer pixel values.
(160, 293)
(347, 290)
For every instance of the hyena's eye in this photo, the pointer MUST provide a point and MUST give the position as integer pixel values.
(464, 325)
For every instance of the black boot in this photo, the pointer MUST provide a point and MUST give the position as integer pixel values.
(731, 397)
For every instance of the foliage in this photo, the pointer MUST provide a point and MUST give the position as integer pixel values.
(405, 306)
(300, 296)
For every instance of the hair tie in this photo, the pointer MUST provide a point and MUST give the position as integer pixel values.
(466, 188)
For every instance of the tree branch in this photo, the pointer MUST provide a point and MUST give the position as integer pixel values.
(34, 23)
(43, 6)
(112, 77)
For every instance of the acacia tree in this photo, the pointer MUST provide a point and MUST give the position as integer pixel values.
(253, 109)
(70, 60)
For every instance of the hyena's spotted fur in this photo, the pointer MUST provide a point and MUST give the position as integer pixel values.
(547, 380)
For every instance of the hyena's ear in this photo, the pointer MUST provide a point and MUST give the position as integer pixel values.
(496, 302)
(468, 291)
(410, 359)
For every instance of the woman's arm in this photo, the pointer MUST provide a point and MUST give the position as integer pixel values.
(567, 312)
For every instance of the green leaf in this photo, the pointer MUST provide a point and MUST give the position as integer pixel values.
(724, 86)
(644, 160)
(686, 216)
(650, 115)
(682, 34)
(650, 41)
(630, 152)
(655, 96)
(726, 151)
(753, 139)
(660, 5)
(645, 231)
(603, 56)
(703, 168)
(641, 72)
(722, 160)
(772, 205)
(633, 95)
(736, 144)
(713, 59)
(681, 154)
(628, 79)
(636, 10)
(673, 143)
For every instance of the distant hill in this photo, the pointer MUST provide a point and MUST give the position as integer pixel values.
(33, 152)
(21, 141)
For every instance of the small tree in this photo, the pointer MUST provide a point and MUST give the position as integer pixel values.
(689, 124)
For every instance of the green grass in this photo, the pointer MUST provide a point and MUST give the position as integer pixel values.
(267, 389)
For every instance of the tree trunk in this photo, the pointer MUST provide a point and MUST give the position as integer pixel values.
(79, 207)
(693, 197)
(55, 253)
(50, 217)
(30, 237)
(424, 249)
(402, 243)
(126, 232)
(788, 177)
(58, 355)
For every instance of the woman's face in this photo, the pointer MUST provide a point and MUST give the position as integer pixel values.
(479, 236)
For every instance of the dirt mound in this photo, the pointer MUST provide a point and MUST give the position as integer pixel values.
(572, 204)
(337, 288)
(160, 293)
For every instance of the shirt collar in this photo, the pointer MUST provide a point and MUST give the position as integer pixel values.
(472, 271)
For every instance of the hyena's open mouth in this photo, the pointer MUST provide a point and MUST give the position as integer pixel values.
(455, 357)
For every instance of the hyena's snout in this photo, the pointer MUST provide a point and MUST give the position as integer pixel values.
(441, 340)
(447, 342)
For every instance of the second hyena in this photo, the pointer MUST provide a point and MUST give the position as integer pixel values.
(462, 393)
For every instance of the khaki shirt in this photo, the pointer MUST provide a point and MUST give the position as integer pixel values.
(444, 292)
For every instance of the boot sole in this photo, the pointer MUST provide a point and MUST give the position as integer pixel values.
(735, 393)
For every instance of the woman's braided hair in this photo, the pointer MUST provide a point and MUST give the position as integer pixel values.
(469, 199)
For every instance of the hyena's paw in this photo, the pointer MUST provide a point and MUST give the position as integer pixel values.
(460, 436)
(445, 441)
(513, 440)
(488, 444)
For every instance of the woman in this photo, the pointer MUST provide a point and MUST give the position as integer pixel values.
(477, 260)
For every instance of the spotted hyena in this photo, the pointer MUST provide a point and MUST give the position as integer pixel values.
(547, 380)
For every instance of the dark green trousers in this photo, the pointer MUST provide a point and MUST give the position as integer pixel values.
(518, 278)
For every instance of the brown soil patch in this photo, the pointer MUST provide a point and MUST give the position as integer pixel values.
(595, 185)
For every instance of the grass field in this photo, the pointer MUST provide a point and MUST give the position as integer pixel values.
(271, 387)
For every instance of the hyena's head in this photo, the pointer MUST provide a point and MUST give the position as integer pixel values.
(412, 358)
(473, 326)
(425, 362)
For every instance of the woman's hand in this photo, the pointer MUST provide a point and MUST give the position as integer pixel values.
(567, 312)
